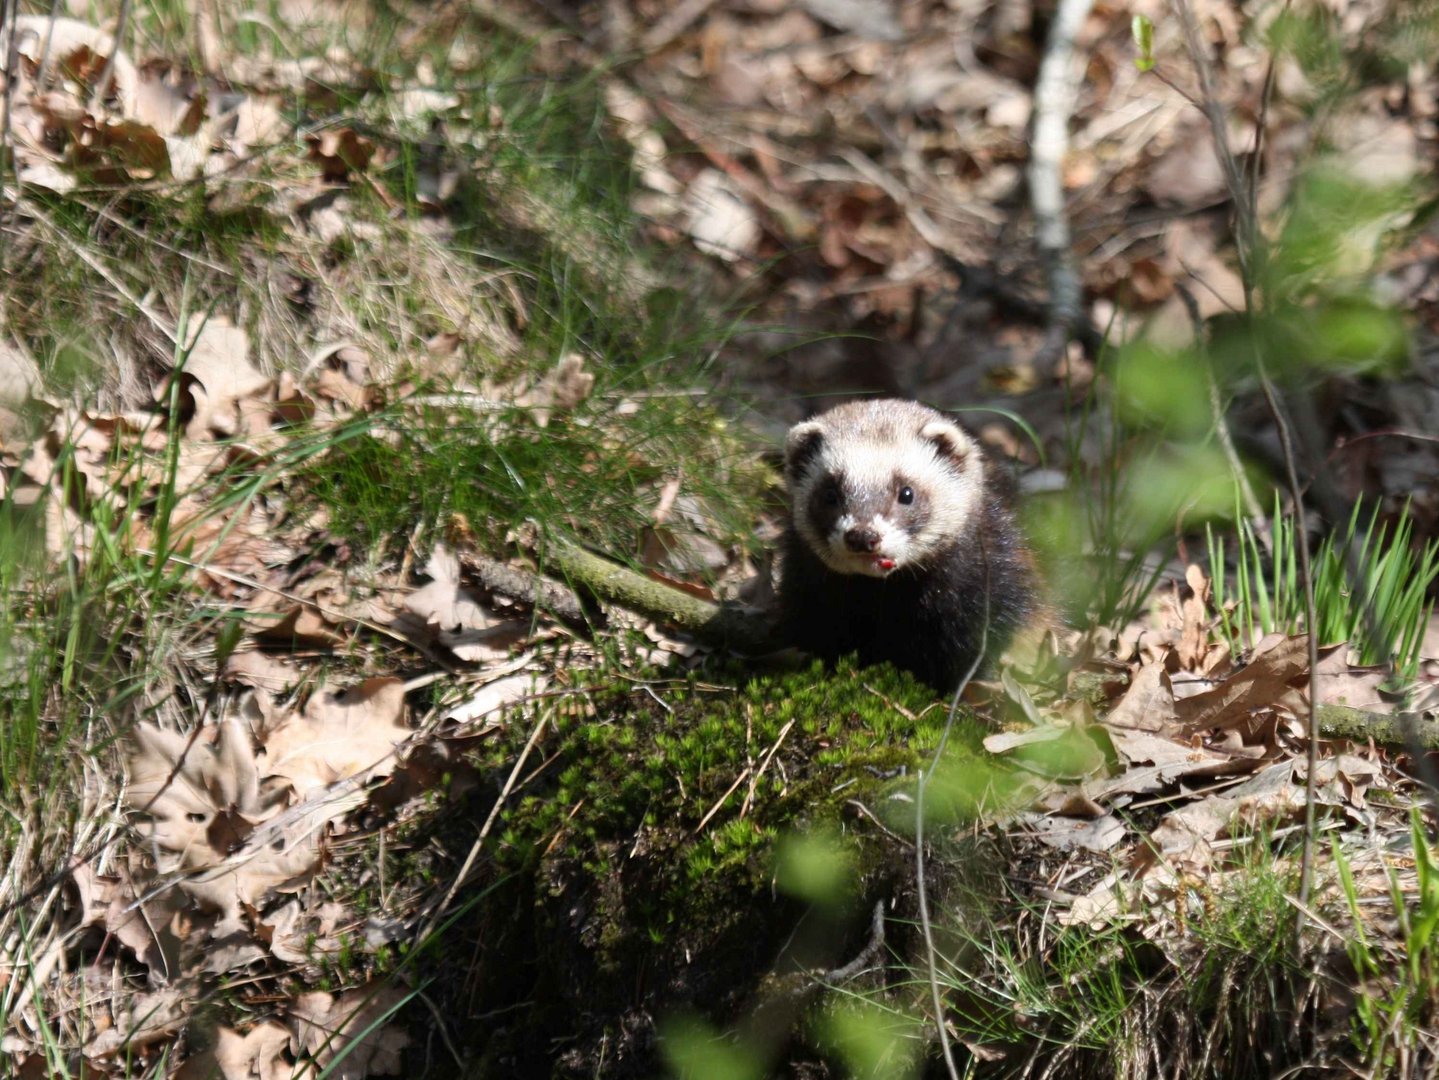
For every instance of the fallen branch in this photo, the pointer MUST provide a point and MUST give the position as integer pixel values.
(719, 624)
(1360, 725)
(527, 588)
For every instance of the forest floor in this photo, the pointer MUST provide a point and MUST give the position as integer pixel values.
(322, 322)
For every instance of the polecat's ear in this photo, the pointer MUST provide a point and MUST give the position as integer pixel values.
(953, 444)
(800, 447)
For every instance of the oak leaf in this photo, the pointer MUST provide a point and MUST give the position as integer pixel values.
(340, 736)
(352, 1024)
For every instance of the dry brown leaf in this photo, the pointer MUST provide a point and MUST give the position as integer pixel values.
(231, 548)
(1188, 174)
(719, 218)
(1186, 833)
(90, 442)
(444, 603)
(278, 619)
(77, 51)
(258, 122)
(455, 617)
(19, 376)
(494, 697)
(218, 362)
(168, 108)
(340, 736)
(47, 175)
(1069, 834)
(1194, 638)
(325, 1026)
(118, 151)
(1148, 704)
(1005, 741)
(260, 670)
(153, 931)
(1078, 804)
(1105, 902)
(1349, 776)
(333, 385)
(1277, 661)
(635, 119)
(1156, 764)
(197, 792)
(140, 1019)
(1354, 687)
(561, 391)
(339, 152)
(304, 937)
(198, 799)
(259, 1054)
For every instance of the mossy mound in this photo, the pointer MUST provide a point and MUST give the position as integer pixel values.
(635, 874)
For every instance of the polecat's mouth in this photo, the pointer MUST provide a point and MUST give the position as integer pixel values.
(873, 564)
(879, 566)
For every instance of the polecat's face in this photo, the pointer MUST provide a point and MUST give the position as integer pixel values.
(877, 486)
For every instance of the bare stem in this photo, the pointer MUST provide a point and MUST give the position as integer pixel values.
(931, 954)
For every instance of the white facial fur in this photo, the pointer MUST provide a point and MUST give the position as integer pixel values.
(867, 445)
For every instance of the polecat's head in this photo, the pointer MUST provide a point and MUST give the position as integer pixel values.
(877, 486)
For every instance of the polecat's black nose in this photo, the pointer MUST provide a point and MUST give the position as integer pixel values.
(861, 539)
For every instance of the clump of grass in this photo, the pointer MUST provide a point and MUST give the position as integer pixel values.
(1382, 613)
(92, 637)
(1396, 997)
(1207, 991)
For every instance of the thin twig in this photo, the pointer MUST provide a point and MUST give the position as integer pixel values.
(1244, 213)
(98, 94)
(469, 862)
(42, 77)
(329, 612)
(1266, 98)
(1246, 243)
(715, 809)
(763, 765)
(865, 955)
(930, 953)
(1216, 409)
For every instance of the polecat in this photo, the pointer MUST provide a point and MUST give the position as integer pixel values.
(898, 547)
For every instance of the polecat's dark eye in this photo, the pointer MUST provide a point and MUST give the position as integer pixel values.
(830, 496)
(906, 495)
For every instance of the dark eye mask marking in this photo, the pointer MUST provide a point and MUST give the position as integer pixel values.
(826, 504)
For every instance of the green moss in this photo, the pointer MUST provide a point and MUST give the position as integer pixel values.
(688, 843)
(669, 801)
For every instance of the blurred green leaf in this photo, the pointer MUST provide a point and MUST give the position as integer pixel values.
(874, 1043)
(1156, 386)
(818, 866)
(1185, 488)
(696, 1051)
(962, 789)
(1356, 333)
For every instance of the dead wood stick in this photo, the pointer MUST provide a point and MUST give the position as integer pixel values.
(719, 624)
(1360, 725)
(527, 588)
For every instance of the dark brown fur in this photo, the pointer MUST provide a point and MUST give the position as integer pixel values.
(965, 600)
